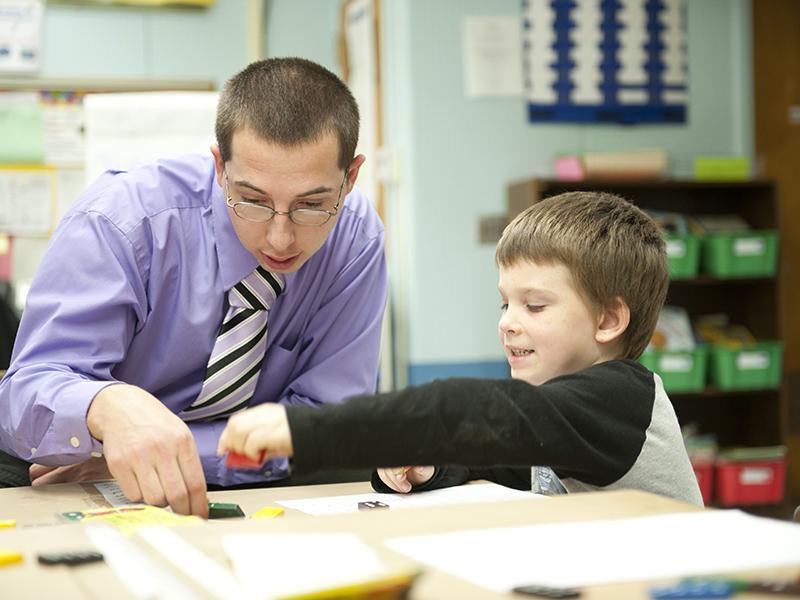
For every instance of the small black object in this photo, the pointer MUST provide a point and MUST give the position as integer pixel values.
(69, 558)
(544, 591)
(370, 504)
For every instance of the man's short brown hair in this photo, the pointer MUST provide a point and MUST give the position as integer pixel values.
(611, 248)
(288, 101)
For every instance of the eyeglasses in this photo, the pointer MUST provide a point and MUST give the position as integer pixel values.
(261, 213)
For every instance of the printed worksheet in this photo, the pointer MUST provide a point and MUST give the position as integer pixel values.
(463, 494)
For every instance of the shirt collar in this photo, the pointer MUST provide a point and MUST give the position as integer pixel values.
(235, 262)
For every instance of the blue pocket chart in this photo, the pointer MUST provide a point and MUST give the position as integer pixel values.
(605, 61)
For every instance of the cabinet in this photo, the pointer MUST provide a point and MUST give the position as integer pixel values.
(753, 417)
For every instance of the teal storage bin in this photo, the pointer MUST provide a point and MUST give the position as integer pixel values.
(753, 367)
(680, 371)
(746, 254)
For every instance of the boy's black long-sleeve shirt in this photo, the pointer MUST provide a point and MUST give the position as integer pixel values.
(608, 426)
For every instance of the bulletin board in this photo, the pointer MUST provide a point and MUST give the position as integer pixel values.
(590, 61)
(44, 157)
(43, 149)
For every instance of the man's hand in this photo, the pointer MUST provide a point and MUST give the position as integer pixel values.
(149, 450)
(263, 428)
(94, 469)
(403, 479)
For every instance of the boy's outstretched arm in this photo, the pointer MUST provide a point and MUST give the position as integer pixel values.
(589, 425)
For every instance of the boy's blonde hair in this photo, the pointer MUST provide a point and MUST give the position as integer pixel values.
(611, 248)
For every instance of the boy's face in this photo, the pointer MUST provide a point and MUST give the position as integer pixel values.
(546, 327)
(284, 178)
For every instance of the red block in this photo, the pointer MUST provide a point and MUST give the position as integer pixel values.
(234, 460)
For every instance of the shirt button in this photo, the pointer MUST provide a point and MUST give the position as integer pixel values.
(268, 473)
(74, 441)
(97, 454)
(33, 451)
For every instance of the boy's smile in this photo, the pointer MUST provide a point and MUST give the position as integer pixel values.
(547, 328)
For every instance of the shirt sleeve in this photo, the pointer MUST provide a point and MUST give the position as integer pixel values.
(590, 425)
(81, 313)
(340, 358)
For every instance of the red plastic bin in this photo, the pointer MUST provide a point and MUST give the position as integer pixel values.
(704, 471)
(743, 483)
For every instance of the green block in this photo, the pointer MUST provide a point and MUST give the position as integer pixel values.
(224, 510)
(715, 168)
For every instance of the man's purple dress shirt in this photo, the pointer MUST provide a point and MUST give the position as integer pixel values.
(133, 289)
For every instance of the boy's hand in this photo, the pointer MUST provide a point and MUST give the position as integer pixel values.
(403, 479)
(260, 433)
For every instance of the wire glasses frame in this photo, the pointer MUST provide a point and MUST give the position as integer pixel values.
(261, 213)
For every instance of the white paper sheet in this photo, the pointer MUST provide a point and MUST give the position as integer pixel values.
(126, 130)
(492, 56)
(597, 552)
(463, 494)
(272, 565)
(21, 35)
(27, 196)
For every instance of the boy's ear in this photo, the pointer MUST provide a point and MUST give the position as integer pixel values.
(613, 322)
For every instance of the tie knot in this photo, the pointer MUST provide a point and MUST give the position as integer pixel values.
(256, 291)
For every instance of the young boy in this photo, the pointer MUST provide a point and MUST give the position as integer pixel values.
(583, 276)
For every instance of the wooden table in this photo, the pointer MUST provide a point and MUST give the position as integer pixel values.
(39, 529)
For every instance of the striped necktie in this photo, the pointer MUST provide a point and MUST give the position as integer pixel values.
(238, 353)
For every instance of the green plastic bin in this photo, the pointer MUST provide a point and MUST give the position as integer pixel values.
(753, 367)
(683, 255)
(680, 371)
(750, 254)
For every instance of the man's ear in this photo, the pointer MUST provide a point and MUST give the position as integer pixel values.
(219, 166)
(613, 322)
(352, 173)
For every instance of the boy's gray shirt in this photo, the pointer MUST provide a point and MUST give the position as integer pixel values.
(662, 466)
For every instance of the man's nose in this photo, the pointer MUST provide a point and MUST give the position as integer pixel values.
(280, 232)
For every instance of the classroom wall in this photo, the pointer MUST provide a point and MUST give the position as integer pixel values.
(458, 154)
(305, 28)
(160, 43)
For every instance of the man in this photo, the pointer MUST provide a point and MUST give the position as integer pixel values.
(181, 292)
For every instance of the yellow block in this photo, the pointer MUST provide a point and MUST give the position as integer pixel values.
(7, 523)
(9, 557)
(267, 512)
